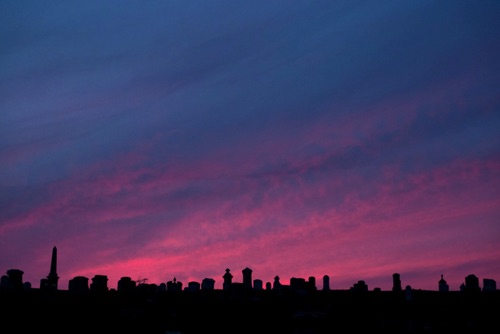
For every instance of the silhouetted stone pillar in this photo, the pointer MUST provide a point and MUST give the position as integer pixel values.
(99, 284)
(126, 284)
(228, 279)
(297, 283)
(50, 283)
(396, 282)
(326, 283)
(408, 293)
(360, 286)
(489, 284)
(4, 282)
(174, 285)
(193, 286)
(15, 279)
(277, 283)
(52, 278)
(442, 285)
(257, 284)
(79, 285)
(472, 283)
(247, 278)
(208, 284)
(311, 283)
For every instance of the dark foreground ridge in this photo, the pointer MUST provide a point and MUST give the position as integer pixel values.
(243, 307)
(250, 311)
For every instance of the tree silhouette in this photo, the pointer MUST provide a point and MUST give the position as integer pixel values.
(140, 280)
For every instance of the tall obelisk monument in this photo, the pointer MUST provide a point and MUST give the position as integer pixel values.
(52, 278)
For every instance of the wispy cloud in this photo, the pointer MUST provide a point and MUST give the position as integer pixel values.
(168, 139)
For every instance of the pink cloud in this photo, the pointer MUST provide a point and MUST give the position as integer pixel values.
(345, 225)
(405, 224)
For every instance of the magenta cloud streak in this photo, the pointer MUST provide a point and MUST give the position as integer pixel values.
(380, 226)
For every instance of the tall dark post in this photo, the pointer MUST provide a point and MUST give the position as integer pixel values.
(326, 282)
(396, 282)
(247, 278)
(226, 285)
(52, 278)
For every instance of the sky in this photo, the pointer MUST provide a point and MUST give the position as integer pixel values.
(163, 138)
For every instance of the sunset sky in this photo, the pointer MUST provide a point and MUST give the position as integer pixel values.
(164, 138)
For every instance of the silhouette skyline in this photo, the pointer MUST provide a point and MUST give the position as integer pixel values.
(298, 307)
(162, 139)
(13, 280)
